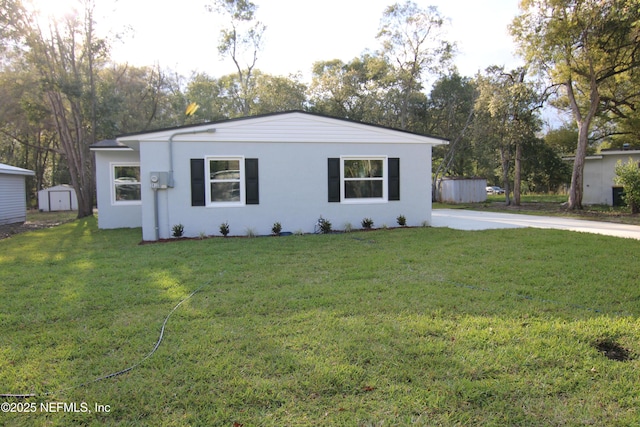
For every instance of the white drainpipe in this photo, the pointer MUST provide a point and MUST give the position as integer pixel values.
(170, 182)
(188, 132)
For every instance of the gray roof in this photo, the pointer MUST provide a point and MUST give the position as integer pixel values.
(109, 144)
(12, 170)
(279, 113)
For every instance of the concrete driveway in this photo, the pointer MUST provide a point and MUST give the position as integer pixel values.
(462, 219)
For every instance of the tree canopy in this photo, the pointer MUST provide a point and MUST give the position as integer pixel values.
(589, 50)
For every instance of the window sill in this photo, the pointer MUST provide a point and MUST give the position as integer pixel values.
(363, 201)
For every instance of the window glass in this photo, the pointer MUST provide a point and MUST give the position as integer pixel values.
(363, 178)
(362, 189)
(363, 168)
(225, 169)
(225, 180)
(127, 183)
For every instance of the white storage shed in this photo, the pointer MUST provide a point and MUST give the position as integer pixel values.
(59, 198)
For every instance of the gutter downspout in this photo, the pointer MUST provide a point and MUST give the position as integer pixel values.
(170, 182)
(190, 132)
(155, 213)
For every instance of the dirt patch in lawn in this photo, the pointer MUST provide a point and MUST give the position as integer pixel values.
(36, 221)
(613, 351)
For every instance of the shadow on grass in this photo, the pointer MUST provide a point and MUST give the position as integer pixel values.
(430, 325)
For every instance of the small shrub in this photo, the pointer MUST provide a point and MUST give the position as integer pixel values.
(628, 175)
(177, 230)
(367, 223)
(324, 226)
(402, 221)
(251, 232)
(224, 229)
(202, 235)
(276, 229)
(348, 227)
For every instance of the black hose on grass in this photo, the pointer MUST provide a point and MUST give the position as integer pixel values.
(115, 374)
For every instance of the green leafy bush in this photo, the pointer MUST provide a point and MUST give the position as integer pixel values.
(628, 175)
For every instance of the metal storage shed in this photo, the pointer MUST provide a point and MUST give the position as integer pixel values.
(13, 194)
(463, 190)
(58, 198)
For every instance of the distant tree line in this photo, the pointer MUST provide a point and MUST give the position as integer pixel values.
(60, 91)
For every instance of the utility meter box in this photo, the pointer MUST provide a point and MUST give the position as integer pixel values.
(159, 180)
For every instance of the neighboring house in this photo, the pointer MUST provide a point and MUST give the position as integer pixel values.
(58, 198)
(13, 194)
(290, 167)
(599, 187)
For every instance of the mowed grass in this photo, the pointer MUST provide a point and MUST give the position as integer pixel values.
(419, 326)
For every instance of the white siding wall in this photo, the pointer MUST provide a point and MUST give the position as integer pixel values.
(13, 202)
(293, 187)
(463, 190)
(599, 176)
(110, 215)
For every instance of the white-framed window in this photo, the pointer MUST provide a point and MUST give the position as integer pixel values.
(126, 187)
(225, 181)
(363, 179)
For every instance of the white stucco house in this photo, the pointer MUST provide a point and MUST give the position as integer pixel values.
(13, 194)
(290, 167)
(599, 176)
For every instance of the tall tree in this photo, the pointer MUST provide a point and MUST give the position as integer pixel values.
(66, 56)
(66, 59)
(580, 46)
(27, 132)
(508, 105)
(206, 91)
(241, 42)
(413, 43)
(278, 93)
(135, 99)
(450, 114)
(353, 90)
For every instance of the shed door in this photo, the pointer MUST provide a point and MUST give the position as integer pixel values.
(618, 193)
(59, 200)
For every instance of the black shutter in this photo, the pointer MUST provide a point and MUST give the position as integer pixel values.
(334, 179)
(252, 193)
(197, 183)
(394, 178)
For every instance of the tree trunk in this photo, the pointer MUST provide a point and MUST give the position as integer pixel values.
(76, 152)
(517, 179)
(504, 155)
(577, 176)
(584, 124)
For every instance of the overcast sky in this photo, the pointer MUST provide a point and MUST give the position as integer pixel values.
(182, 36)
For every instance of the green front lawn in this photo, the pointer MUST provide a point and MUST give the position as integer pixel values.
(417, 326)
